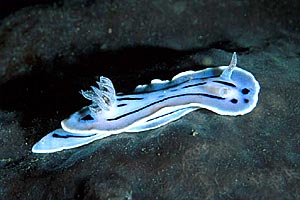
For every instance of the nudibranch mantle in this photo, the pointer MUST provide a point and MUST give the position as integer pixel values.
(225, 90)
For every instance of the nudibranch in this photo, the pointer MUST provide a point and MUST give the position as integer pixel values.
(225, 90)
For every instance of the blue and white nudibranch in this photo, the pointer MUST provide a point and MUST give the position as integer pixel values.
(225, 90)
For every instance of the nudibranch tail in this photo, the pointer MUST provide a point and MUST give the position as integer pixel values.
(228, 71)
(103, 97)
(60, 139)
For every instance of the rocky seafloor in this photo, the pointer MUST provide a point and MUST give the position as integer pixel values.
(50, 51)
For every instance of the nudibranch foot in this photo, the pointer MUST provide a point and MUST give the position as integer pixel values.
(225, 90)
(160, 118)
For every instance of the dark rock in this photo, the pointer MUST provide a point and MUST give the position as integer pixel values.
(35, 37)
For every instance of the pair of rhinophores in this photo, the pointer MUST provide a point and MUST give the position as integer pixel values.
(225, 90)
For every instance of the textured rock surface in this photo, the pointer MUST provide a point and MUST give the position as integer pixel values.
(35, 37)
(48, 53)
